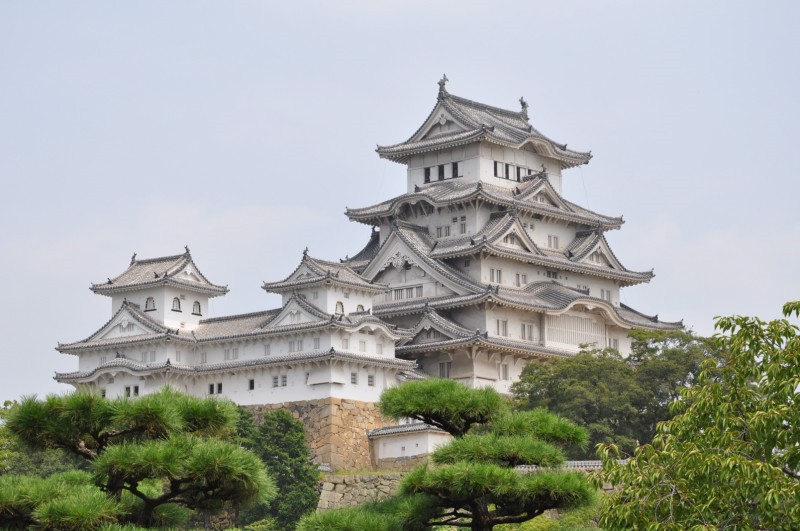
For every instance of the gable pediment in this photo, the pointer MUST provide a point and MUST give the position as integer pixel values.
(601, 256)
(294, 313)
(122, 325)
(516, 238)
(397, 263)
(440, 122)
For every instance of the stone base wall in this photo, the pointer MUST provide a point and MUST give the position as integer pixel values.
(401, 464)
(336, 429)
(349, 491)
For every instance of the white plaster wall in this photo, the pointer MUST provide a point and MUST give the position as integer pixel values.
(408, 444)
(466, 156)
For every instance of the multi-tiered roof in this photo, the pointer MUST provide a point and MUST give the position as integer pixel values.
(481, 123)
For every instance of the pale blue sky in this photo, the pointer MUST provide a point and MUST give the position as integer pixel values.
(244, 128)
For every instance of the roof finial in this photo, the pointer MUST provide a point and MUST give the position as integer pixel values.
(187, 248)
(442, 83)
(133, 258)
(305, 252)
(524, 105)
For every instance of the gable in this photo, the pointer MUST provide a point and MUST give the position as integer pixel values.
(517, 238)
(601, 256)
(440, 122)
(293, 313)
(395, 257)
(124, 324)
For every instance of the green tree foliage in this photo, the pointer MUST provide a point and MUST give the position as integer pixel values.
(150, 456)
(280, 442)
(617, 400)
(730, 458)
(471, 482)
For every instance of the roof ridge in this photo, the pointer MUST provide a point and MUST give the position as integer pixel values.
(238, 316)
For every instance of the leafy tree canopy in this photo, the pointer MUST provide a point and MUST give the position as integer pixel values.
(280, 442)
(617, 400)
(153, 455)
(730, 458)
(472, 482)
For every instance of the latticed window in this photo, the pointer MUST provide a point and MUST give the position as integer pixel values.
(176, 304)
(149, 304)
(339, 308)
(196, 308)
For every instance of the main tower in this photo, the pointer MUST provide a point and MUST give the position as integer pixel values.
(486, 260)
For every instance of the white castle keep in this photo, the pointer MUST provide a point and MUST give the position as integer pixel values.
(481, 267)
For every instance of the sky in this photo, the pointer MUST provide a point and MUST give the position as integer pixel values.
(244, 128)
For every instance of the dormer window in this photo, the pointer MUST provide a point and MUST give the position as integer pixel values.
(339, 308)
(176, 304)
(150, 304)
(196, 308)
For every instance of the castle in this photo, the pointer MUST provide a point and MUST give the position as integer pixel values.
(479, 268)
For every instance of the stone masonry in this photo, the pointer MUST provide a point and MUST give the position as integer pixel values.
(349, 491)
(336, 429)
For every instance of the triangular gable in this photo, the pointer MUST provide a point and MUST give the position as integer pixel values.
(543, 193)
(125, 323)
(296, 312)
(396, 254)
(433, 327)
(600, 255)
(516, 237)
(439, 122)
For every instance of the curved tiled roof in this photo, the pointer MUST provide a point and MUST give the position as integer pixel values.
(487, 240)
(297, 357)
(159, 332)
(322, 271)
(413, 427)
(362, 259)
(152, 272)
(546, 296)
(445, 193)
(482, 122)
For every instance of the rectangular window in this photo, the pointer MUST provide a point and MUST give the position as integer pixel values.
(455, 170)
(463, 227)
(371, 380)
(308, 375)
(345, 343)
(552, 274)
(491, 275)
(498, 169)
(427, 175)
(227, 354)
(128, 392)
(526, 332)
(409, 293)
(219, 388)
(102, 393)
(467, 263)
(283, 380)
(102, 360)
(438, 232)
(418, 291)
(502, 327)
(613, 343)
(362, 346)
(251, 384)
(354, 378)
(509, 169)
(517, 282)
(135, 390)
(444, 369)
(266, 349)
(503, 373)
(455, 220)
(152, 355)
(316, 342)
(441, 172)
(145, 355)
(499, 276)
(203, 357)
(605, 294)
(379, 348)
(447, 230)
(274, 381)
(520, 173)
(211, 389)
(523, 278)
(315, 295)
(178, 356)
(552, 241)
